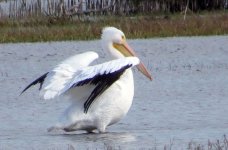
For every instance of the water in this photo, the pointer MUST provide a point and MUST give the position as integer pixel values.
(186, 101)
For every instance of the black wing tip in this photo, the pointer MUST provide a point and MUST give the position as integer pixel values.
(23, 90)
(38, 80)
(85, 110)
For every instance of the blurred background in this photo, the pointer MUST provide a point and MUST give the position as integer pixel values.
(66, 8)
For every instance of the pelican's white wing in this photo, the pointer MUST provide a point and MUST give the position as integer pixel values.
(54, 81)
(64, 72)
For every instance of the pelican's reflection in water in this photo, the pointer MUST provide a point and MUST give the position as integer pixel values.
(94, 140)
(108, 136)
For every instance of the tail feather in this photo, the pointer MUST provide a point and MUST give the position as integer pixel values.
(38, 80)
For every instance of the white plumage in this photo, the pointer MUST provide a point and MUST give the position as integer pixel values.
(64, 72)
(100, 95)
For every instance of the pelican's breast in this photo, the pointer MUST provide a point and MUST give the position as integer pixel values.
(126, 91)
(115, 102)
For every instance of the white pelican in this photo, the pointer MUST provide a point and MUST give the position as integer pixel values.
(101, 94)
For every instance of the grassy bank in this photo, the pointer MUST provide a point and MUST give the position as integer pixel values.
(49, 29)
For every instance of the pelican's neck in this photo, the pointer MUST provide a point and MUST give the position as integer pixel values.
(114, 53)
(111, 51)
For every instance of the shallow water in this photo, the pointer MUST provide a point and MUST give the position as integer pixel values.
(186, 101)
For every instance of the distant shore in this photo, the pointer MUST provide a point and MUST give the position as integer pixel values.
(35, 29)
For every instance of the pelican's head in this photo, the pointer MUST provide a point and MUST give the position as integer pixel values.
(115, 42)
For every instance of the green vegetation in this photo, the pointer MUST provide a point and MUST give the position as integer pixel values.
(49, 29)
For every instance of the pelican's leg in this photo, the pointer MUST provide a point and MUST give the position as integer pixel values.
(90, 131)
(101, 128)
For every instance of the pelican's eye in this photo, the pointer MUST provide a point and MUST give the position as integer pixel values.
(123, 37)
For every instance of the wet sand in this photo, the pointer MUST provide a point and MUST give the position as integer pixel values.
(186, 101)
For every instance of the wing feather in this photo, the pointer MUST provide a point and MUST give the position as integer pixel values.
(38, 80)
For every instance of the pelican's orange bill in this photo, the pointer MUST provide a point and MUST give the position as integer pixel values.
(126, 50)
